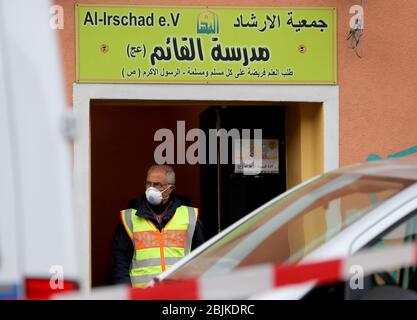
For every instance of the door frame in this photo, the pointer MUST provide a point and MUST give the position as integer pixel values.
(328, 95)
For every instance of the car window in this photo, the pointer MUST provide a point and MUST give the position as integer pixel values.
(405, 232)
(383, 284)
(293, 226)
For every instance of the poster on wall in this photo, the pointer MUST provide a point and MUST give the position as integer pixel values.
(117, 43)
(269, 153)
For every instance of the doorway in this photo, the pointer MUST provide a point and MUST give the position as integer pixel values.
(122, 145)
(323, 98)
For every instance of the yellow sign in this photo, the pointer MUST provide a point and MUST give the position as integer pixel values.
(254, 45)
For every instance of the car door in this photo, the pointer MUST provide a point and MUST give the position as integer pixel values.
(396, 228)
(390, 284)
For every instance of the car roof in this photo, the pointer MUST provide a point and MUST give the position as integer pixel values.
(405, 168)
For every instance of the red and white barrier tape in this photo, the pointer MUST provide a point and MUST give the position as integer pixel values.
(247, 281)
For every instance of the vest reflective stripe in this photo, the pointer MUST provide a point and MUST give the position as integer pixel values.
(126, 216)
(157, 250)
(192, 220)
(154, 262)
(141, 281)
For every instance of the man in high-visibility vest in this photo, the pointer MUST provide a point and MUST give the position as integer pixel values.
(155, 232)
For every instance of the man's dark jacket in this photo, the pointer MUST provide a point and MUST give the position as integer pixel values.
(123, 246)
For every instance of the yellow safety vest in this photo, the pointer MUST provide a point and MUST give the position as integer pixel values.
(154, 250)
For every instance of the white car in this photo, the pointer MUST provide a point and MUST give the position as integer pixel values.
(39, 246)
(330, 216)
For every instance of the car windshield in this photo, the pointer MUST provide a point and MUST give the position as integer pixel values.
(293, 226)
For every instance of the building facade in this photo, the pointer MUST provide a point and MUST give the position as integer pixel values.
(368, 112)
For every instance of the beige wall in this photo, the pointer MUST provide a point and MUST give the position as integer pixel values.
(378, 93)
(121, 137)
(304, 142)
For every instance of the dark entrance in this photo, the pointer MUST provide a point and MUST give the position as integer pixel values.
(226, 193)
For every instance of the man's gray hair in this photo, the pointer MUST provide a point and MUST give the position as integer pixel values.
(169, 171)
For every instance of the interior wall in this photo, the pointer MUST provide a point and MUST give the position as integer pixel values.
(293, 144)
(305, 141)
(122, 146)
(312, 137)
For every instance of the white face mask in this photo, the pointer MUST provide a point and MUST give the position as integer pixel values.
(154, 196)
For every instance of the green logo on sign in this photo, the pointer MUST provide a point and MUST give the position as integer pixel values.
(208, 22)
